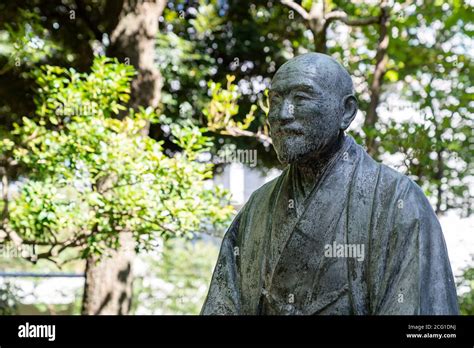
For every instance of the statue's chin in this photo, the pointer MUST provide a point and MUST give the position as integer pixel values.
(299, 152)
(290, 149)
(303, 149)
(287, 156)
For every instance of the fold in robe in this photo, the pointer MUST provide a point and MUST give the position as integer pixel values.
(272, 258)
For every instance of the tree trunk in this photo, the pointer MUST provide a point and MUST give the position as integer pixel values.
(108, 286)
(317, 24)
(133, 42)
(320, 39)
(381, 59)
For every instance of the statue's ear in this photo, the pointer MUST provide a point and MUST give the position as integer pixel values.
(350, 110)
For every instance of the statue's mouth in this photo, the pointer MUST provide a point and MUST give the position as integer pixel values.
(289, 130)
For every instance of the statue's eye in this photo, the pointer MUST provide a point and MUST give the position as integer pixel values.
(301, 96)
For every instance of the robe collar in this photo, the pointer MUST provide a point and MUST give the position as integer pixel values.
(316, 225)
(297, 190)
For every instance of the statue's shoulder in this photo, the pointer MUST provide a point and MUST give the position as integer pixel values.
(388, 181)
(403, 183)
(387, 177)
(395, 197)
(392, 183)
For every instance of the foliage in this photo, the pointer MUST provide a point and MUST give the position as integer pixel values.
(224, 106)
(431, 89)
(203, 41)
(428, 44)
(9, 299)
(466, 300)
(92, 175)
(24, 41)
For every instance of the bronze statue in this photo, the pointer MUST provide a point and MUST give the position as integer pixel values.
(336, 232)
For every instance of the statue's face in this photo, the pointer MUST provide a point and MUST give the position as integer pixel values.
(305, 111)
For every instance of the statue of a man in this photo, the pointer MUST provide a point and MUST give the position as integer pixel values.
(336, 232)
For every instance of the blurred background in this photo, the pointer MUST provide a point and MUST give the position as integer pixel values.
(132, 132)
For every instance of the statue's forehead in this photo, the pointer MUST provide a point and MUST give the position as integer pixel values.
(293, 76)
(285, 83)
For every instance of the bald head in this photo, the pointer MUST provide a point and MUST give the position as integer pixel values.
(327, 72)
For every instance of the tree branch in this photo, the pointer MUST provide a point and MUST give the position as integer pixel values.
(237, 132)
(5, 188)
(343, 17)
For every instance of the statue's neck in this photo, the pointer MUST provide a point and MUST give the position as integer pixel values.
(312, 166)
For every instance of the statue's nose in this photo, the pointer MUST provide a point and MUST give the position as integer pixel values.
(287, 112)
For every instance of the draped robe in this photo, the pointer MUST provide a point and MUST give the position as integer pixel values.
(272, 258)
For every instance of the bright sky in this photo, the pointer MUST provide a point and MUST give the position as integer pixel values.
(459, 240)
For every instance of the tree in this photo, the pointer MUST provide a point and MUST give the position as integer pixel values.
(123, 29)
(431, 89)
(92, 176)
(132, 40)
(385, 48)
